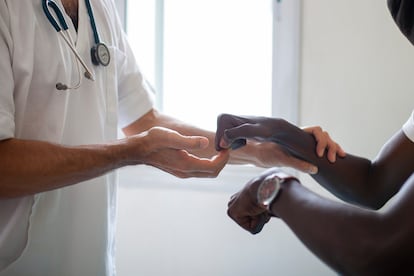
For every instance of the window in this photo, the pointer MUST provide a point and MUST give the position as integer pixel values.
(205, 57)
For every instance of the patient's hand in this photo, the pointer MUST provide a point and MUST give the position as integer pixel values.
(244, 206)
(233, 132)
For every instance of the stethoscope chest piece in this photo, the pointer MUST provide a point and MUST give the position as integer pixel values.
(100, 54)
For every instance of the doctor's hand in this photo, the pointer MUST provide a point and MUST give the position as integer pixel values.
(324, 143)
(267, 133)
(244, 207)
(168, 150)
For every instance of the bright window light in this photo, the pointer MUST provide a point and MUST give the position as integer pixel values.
(216, 55)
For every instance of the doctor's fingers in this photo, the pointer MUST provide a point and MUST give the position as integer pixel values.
(325, 144)
(185, 165)
(167, 138)
(335, 150)
(300, 165)
(274, 155)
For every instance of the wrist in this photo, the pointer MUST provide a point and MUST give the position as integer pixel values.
(245, 155)
(270, 189)
(286, 189)
(123, 152)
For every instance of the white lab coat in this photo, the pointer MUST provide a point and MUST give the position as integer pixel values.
(68, 231)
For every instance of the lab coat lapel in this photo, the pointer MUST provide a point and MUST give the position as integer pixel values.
(83, 26)
(68, 20)
(82, 33)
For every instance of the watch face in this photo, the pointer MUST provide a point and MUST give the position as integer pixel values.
(268, 190)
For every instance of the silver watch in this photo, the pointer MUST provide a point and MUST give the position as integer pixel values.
(268, 190)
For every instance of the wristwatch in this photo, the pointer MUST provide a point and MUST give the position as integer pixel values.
(270, 187)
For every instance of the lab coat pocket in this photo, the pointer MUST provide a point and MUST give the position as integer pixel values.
(111, 91)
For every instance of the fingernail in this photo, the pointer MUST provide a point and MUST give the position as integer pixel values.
(313, 170)
(223, 144)
(203, 143)
(322, 152)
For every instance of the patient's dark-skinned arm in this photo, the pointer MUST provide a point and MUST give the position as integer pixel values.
(353, 179)
(352, 240)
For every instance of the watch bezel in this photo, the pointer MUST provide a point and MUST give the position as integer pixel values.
(268, 190)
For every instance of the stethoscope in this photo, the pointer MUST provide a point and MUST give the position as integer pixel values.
(99, 52)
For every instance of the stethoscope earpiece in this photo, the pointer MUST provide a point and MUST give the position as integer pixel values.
(61, 86)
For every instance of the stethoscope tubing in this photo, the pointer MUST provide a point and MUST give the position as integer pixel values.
(99, 52)
(88, 72)
(63, 29)
(48, 3)
(93, 24)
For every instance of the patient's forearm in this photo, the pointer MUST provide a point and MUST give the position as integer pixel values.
(352, 240)
(353, 179)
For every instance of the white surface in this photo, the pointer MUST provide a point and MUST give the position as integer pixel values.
(357, 71)
(184, 230)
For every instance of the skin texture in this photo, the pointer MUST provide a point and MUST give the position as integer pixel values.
(354, 179)
(350, 239)
(71, 8)
(29, 167)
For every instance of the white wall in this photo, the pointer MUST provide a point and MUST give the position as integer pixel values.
(356, 72)
(175, 227)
